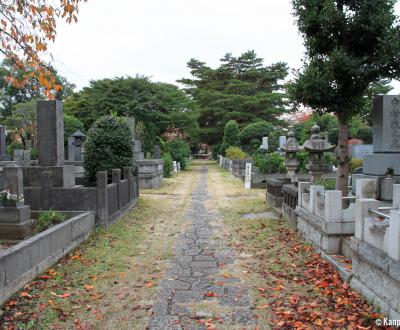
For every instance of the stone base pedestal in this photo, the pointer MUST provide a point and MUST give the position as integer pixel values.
(377, 164)
(151, 172)
(15, 222)
(384, 189)
(61, 176)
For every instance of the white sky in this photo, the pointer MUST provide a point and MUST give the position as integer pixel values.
(158, 37)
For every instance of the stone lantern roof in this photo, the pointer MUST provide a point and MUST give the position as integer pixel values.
(291, 144)
(78, 134)
(316, 144)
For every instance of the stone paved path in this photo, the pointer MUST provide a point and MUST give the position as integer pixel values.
(196, 292)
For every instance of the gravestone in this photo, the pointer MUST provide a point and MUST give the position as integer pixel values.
(179, 166)
(157, 152)
(247, 178)
(175, 166)
(50, 133)
(75, 146)
(15, 220)
(3, 144)
(282, 141)
(386, 136)
(138, 154)
(383, 165)
(264, 145)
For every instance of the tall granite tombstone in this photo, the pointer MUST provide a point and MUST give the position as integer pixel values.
(157, 152)
(3, 145)
(386, 136)
(50, 134)
(383, 164)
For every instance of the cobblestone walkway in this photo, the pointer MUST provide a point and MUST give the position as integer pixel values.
(197, 292)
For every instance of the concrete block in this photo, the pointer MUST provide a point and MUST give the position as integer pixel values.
(366, 188)
(331, 244)
(361, 212)
(393, 234)
(82, 225)
(14, 214)
(314, 196)
(333, 206)
(20, 259)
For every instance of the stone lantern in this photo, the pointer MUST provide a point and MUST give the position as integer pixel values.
(291, 148)
(75, 146)
(316, 147)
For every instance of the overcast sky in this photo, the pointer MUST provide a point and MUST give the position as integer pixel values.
(157, 38)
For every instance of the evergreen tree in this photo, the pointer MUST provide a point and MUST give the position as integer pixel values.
(350, 44)
(240, 89)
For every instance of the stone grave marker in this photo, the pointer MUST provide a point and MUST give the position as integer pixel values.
(50, 133)
(247, 178)
(264, 145)
(157, 152)
(175, 166)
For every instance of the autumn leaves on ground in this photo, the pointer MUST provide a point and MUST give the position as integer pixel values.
(110, 281)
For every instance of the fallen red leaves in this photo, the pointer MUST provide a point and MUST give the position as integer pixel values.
(302, 290)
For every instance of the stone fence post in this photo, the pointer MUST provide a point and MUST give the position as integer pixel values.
(314, 192)
(102, 198)
(366, 189)
(361, 212)
(116, 178)
(333, 206)
(303, 186)
(127, 175)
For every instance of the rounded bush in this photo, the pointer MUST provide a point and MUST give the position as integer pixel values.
(168, 165)
(231, 133)
(109, 145)
(235, 153)
(251, 136)
(180, 152)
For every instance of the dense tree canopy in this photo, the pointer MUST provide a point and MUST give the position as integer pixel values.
(10, 95)
(157, 107)
(349, 46)
(240, 89)
(27, 26)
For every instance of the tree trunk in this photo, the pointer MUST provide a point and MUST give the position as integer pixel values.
(343, 157)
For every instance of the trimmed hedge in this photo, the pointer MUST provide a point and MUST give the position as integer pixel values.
(109, 145)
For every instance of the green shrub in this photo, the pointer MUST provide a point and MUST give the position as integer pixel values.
(47, 219)
(71, 125)
(355, 163)
(329, 184)
(13, 146)
(108, 145)
(231, 135)
(365, 134)
(180, 152)
(251, 136)
(302, 157)
(168, 165)
(235, 153)
(270, 163)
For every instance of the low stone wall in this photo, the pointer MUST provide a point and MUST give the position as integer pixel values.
(21, 263)
(151, 173)
(274, 192)
(376, 276)
(107, 200)
(321, 219)
(375, 249)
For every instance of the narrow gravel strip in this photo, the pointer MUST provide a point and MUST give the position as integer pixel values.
(196, 292)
